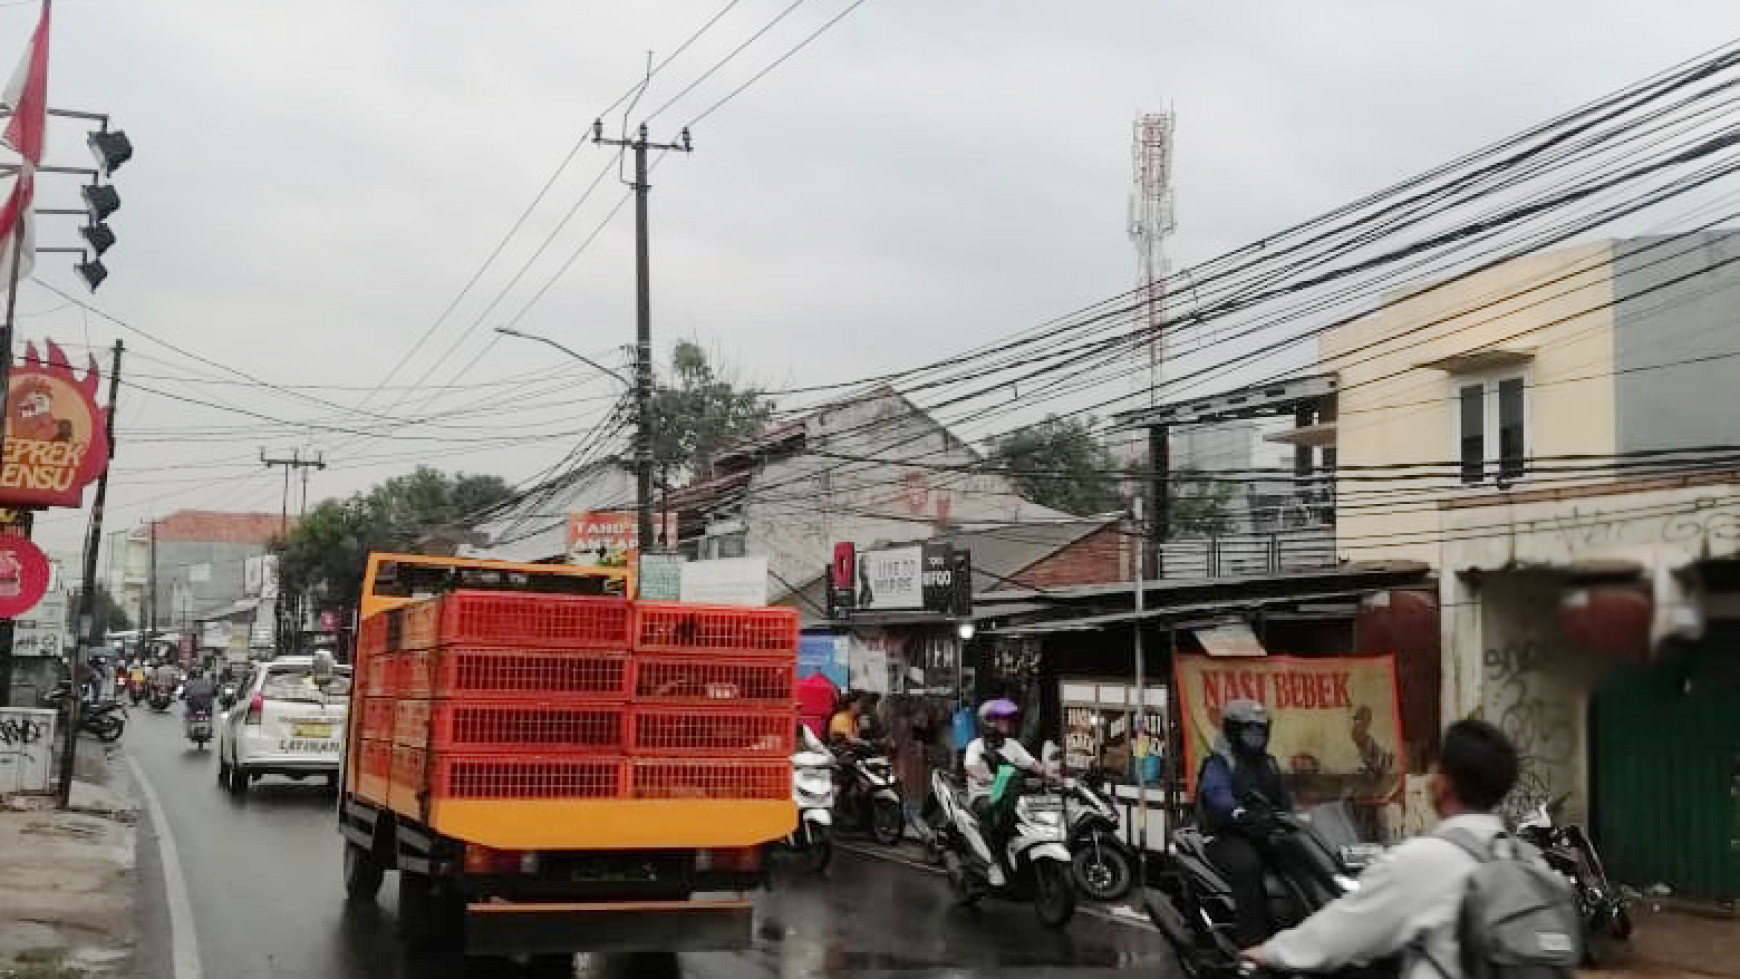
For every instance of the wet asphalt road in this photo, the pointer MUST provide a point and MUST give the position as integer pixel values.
(263, 878)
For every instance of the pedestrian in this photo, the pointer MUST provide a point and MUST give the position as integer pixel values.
(1410, 900)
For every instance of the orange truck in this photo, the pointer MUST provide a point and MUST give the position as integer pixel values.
(552, 767)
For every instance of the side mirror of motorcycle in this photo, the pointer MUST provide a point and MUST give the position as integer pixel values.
(325, 668)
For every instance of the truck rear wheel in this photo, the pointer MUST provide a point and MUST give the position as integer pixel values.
(362, 873)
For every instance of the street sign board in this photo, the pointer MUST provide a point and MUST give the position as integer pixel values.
(55, 437)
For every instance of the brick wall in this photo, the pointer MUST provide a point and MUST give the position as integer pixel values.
(1100, 557)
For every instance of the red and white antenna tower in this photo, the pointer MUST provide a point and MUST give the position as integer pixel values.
(1150, 225)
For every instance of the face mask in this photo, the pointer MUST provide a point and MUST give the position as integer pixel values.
(1254, 740)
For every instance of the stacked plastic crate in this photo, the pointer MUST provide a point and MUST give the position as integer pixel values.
(509, 695)
(714, 710)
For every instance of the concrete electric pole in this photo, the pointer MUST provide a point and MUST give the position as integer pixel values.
(294, 462)
(643, 461)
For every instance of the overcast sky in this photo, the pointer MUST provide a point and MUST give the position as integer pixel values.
(317, 180)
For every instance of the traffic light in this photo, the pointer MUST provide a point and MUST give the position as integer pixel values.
(101, 200)
(98, 236)
(93, 272)
(111, 149)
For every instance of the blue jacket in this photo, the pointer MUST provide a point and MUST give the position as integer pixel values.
(1225, 786)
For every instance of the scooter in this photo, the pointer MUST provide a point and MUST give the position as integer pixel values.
(1605, 909)
(1035, 864)
(812, 789)
(1192, 906)
(1105, 866)
(106, 719)
(198, 727)
(869, 796)
(161, 697)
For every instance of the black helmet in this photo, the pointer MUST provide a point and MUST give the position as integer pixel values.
(1246, 726)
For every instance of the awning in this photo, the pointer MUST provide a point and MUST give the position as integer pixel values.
(1172, 613)
(981, 614)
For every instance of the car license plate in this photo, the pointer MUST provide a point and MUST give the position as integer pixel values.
(306, 729)
(307, 746)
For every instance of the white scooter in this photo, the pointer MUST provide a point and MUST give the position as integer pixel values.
(812, 789)
(1036, 863)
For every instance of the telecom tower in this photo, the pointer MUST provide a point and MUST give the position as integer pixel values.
(1150, 225)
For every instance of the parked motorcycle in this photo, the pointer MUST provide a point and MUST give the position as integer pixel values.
(869, 799)
(1604, 908)
(1105, 866)
(198, 727)
(812, 789)
(106, 719)
(1035, 865)
(1192, 904)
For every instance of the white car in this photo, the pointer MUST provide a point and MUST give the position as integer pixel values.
(284, 723)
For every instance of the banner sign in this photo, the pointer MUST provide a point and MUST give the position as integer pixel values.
(55, 439)
(930, 577)
(661, 577)
(24, 576)
(891, 579)
(725, 581)
(610, 538)
(1337, 725)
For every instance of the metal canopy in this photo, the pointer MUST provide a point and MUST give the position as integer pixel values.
(1092, 623)
(1256, 401)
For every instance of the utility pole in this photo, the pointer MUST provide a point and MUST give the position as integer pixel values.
(151, 577)
(88, 632)
(643, 461)
(294, 462)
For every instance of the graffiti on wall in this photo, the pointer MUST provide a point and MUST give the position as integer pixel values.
(1709, 518)
(1525, 693)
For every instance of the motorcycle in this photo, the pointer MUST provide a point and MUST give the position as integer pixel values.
(1105, 866)
(1035, 865)
(161, 697)
(198, 727)
(1192, 906)
(227, 695)
(106, 719)
(869, 799)
(1605, 909)
(812, 789)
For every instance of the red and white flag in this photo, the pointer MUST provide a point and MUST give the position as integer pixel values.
(26, 97)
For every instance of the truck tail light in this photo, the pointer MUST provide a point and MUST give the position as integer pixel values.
(485, 860)
(735, 860)
(256, 706)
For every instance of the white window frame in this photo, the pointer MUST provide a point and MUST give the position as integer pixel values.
(1490, 461)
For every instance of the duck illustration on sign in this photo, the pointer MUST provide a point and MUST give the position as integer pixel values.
(56, 441)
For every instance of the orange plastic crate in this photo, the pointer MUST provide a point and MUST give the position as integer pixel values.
(669, 627)
(411, 723)
(709, 680)
(734, 733)
(405, 786)
(377, 718)
(476, 618)
(371, 635)
(376, 758)
(460, 776)
(419, 624)
(709, 778)
(378, 678)
(548, 673)
(548, 726)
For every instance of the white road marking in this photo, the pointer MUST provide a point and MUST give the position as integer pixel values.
(183, 939)
(1121, 915)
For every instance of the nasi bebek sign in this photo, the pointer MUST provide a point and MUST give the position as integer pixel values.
(56, 442)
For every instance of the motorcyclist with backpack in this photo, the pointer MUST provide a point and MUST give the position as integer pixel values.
(994, 747)
(1465, 902)
(1240, 790)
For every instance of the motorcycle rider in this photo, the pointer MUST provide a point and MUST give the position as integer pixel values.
(843, 726)
(994, 747)
(1239, 789)
(199, 692)
(1410, 901)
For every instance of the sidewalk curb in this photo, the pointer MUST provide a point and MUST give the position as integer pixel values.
(1130, 917)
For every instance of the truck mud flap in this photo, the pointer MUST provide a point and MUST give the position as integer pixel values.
(619, 926)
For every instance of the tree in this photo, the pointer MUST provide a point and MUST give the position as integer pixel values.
(108, 613)
(1199, 506)
(1059, 463)
(327, 551)
(698, 412)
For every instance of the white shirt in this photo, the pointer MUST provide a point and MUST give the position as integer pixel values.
(1414, 890)
(979, 774)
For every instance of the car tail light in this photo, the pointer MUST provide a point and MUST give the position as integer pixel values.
(485, 860)
(256, 706)
(738, 859)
